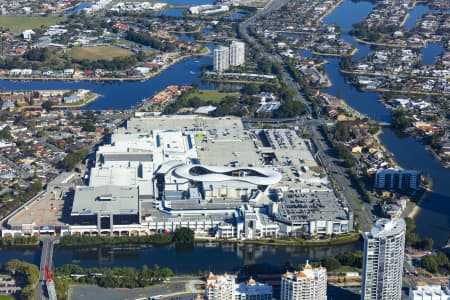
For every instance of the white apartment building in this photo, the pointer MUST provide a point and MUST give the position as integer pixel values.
(308, 284)
(390, 179)
(384, 248)
(221, 59)
(430, 292)
(237, 53)
(220, 287)
(224, 287)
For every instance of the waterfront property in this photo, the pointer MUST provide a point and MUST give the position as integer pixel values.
(208, 174)
(430, 292)
(224, 287)
(397, 180)
(8, 285)
(310, 283)
(384, 248)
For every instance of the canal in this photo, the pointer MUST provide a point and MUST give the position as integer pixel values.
(434, 218)
(220, 257)
(124, 94)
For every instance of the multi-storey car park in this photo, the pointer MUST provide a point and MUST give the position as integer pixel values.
(208, 174)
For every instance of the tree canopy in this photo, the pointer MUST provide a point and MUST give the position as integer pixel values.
(184, 235)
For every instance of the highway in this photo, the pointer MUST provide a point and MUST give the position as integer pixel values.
(344, 184)
(363, 211)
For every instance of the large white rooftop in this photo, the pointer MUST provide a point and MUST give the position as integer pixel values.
(386, 227)
(105, 199)
(429, 292)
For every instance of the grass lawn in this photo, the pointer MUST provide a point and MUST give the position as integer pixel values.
(100, 52)
(6, 297)
(17, 24)
(211, 95)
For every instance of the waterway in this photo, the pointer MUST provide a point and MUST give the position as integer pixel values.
(220, 257)
(430, 53)
(79, 7)
(415, 14)
(124, 94)
(188, 2)
(409, 153)
(172, 12)
(434, 218)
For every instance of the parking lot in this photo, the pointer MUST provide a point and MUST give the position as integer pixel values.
(168, 291)
(47, 210)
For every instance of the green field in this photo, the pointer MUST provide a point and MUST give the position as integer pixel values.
(97, 53)
(17, 24)
(6, 297)
(211, 95)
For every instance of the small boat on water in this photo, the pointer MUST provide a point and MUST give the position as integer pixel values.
(191, 72)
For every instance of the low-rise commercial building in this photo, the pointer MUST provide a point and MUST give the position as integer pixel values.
(208, 174)
(429, 292)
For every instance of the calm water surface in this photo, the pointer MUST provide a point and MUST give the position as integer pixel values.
(222, 257)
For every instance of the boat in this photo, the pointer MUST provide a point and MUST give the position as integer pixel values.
(191, 72)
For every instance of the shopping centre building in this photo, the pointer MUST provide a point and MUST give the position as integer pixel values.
(211, 175)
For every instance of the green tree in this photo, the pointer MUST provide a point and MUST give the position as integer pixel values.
(88, 126)
(35, 187)
(47, 105)
(331, 263)
(426, 244)
(41, 133)
(5, 134)
(184, 235)
(430, 264)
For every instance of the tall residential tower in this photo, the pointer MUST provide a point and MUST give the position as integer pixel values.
(384, 248)
(221, 59)
(237, 53)
(308, 284)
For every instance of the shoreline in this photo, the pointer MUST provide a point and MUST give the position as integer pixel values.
(417, 206)
(330, 10)
(373, 74)
(389, 45)
(443, 163)
(89, 100)
(342, 240)
(338, 241)
(100, 79)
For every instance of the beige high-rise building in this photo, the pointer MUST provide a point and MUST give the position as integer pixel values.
(237, 53)
(308, 284)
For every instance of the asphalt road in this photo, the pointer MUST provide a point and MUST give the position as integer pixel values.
(12, 165)
(172, 290)
(362, 210)
(46, 260)
(345, 187)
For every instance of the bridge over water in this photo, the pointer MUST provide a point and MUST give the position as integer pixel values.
(45, 288)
